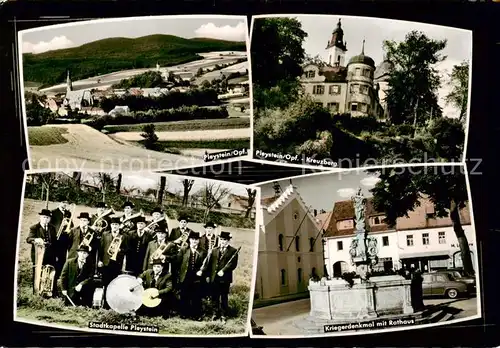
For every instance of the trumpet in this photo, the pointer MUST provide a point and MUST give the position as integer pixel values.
(128, 220)
(87, 239)
(182, 240)
(158, 254)
(114, 247)
(66, 222)
(100, 224)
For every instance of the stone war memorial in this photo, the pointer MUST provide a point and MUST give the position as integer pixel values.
(369, 302)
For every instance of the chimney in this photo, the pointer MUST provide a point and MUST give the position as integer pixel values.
(315, 212)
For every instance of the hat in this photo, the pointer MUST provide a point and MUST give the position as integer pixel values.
(140, 219)
(157, 210)
(100, 205)
(209, 224)
(160, 229)
(183, 216)
(225, 235)
(195, 235)
(158, 262)
(83, 248)
(128, 204)
(84, 215)
(67, 214)
(114, 220)
(45, 212)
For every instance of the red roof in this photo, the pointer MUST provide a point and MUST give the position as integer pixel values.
(344, 210)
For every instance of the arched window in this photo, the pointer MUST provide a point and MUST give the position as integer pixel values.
(283, 277)
(299, 275)
(280, 242)
(311, 244)
(297, 243)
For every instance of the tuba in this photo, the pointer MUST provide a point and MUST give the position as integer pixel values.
(114, 247)
(66, 223)
(39, 253)
(47, 280)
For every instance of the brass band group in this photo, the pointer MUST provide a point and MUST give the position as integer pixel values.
(176, 267)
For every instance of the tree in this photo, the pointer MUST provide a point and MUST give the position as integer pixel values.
(36, 114)
(77, 178)
(150, 137)
(161, 190)
(210, 196)
(277, 52)
(105, 182)
(119, 183)
(399, 192)
(250, 201)
(413, 81)
(459, 94)
(48, 180)
(187, 185)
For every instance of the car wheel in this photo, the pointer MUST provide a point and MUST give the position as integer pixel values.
(452, 293)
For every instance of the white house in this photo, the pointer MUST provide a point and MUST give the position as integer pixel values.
(421, 240)
(290, 246)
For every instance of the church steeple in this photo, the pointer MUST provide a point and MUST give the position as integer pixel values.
(336, 47)
(69, 84)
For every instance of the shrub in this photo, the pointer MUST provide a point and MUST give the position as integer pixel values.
(150, 137)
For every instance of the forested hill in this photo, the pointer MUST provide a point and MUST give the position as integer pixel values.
(115, 54)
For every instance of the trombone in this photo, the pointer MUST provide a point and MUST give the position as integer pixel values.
(129, 219)
(66, 222)
(153, 223)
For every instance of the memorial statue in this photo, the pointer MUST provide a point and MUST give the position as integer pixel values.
(359, 210)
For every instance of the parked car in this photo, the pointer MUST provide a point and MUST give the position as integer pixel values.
(459, 275)
(443, 284)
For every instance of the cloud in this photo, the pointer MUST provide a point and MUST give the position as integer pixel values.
(226, 32)
(346, 192)
(370, 181)
(57, 43)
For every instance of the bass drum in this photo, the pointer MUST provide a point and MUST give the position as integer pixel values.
(124, 294)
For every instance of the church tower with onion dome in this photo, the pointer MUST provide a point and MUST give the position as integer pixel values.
(336, 47)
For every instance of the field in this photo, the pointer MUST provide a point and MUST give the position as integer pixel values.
(223, 144)
(53, 311)
(38, 136)
(229, 123)
(116, 54)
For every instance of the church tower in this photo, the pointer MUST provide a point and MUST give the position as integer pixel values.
(336, 47)
(69, 84)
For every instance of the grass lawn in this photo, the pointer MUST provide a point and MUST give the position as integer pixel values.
(53, 311)
(229, 144)
(39, 136)
(226, 123)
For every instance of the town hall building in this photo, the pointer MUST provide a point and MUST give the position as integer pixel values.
(357, 88)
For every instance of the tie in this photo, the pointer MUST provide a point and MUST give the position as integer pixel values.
(153, 283)
(223, 250)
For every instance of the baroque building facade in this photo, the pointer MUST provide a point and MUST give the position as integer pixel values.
(357, 88)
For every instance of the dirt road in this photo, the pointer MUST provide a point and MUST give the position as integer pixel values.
(197, 135)
(88, 148)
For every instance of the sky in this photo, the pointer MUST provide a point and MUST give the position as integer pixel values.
(375, 31)
(145, 181)
(58, 37)
(321, 191)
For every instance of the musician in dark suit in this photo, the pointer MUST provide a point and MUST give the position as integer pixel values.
(159, 279)
(138, 242)
(110, 268)
(209, 238)
(190, 261)
(77, 234)
(128, 224)
(168, 255)
(158, 220)
(182, 229)
(43, 234)
(57, 217)
(223, 261)
(76, 278)
(99, 221)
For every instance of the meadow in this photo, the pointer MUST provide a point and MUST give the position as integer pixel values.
(54, 312)
(39, 136)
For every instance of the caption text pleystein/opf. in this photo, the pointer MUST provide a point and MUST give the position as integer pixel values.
(295, 159)
(224, 154)
(124, 327)
(373, 324)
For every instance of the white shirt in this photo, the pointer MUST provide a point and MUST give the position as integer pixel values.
(81, 264)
